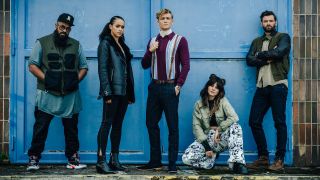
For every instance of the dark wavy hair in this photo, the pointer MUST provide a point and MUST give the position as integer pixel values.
(213, 79)
(267, 13)
(106, 30)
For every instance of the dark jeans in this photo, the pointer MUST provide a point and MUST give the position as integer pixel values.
(274, 97)
(162, 97)
(112, 116)
(40, 132)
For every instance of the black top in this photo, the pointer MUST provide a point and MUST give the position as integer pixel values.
(213, 121)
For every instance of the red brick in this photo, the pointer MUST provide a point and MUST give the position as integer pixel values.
(302, 91)
(308, 112)
(295, 112)
(308, 156)
(301, 112)
(314, 112)
(308, 40)
(295, 70)
(318, 114)
(319, 135)
(296, 89)
(7, 44)
(308, 134)
(296, 26)
(296, 7)
(315, 134)
(295, 134)
(302, 134)
(1, 109)
(315, 161)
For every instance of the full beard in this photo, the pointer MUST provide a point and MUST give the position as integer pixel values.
(60, 39)
(269, 30)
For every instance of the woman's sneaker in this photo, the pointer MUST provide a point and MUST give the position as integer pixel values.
(74, 162)
(33, 163)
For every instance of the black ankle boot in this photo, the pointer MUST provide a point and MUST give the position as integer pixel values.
(240, 168)
(102, 167)
(114, 163)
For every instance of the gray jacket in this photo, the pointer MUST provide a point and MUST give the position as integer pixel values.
(225, 117)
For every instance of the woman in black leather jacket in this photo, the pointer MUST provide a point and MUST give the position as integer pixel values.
(117, 90)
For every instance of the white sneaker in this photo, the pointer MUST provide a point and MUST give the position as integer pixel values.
(74, 162)
(76, 166)
(33, 163)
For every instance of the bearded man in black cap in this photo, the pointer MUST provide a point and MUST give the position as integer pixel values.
(58, 63)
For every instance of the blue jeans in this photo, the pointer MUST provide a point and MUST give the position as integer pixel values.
(162, 98)
(274, 97)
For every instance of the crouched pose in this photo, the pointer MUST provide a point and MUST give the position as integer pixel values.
(216, 129)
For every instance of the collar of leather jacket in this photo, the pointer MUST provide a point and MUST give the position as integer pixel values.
(125, 48)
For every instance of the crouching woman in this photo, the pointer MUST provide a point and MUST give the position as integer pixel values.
(216, 129)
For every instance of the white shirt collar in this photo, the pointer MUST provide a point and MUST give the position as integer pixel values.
(165, 33)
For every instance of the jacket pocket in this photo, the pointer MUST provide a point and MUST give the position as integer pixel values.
(54, 65)
(52, 81)
(69, 62)
(53, 57)
(71, 81)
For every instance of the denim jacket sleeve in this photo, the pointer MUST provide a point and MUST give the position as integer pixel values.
(103, 62)
(196, 124)
(283, 48)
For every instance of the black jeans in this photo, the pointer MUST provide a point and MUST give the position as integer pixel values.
(274, 97)
(162, 98)
(40, 132)
(112, 116)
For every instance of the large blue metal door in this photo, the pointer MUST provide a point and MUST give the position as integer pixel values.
(219, 33)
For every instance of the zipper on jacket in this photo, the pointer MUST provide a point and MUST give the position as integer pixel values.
(111, 75)
(62, 76)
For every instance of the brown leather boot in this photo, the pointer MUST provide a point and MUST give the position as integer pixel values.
(277, 165)
(261, 163)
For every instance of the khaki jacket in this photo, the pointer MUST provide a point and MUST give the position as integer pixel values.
(225, 117)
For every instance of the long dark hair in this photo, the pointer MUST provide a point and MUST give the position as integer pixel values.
(213, 79)
(106, 30)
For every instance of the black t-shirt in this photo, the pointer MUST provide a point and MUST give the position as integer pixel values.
(213, 121)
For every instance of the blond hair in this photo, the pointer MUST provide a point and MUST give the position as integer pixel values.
(162, 12)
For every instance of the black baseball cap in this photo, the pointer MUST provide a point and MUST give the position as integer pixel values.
(66, 18)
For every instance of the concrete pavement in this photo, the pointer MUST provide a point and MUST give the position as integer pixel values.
(46, 172)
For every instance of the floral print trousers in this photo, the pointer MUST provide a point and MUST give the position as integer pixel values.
(231, 139)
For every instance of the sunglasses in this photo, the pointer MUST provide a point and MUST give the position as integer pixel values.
(62, 27)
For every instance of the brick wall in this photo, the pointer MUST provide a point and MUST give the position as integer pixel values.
(4, 75)
(306, 82)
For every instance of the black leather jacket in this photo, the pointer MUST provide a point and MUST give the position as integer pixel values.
(115, 70)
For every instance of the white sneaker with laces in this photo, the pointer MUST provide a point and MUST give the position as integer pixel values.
(33, 163)
(74, 162)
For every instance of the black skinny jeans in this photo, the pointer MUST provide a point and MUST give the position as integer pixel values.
(112, 116)
(40, 133)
